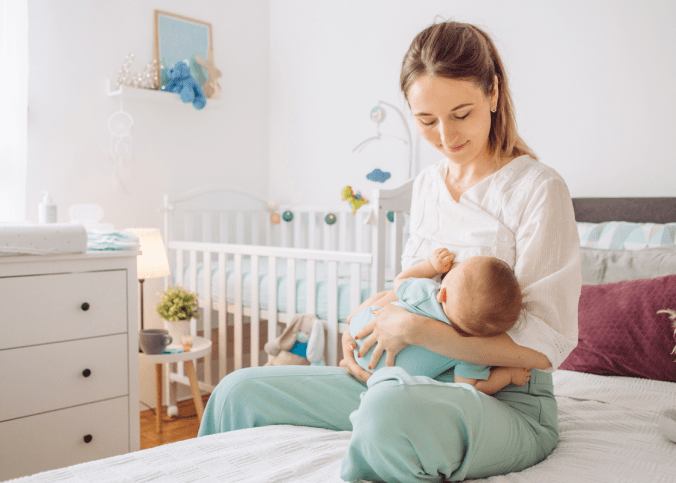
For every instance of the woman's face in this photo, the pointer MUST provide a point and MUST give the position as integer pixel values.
(452, 115)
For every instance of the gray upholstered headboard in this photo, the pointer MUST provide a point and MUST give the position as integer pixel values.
(636, 210)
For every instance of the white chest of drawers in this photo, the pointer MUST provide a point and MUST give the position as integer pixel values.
(69, 386)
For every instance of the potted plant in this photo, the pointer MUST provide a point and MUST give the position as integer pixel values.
(177, 307)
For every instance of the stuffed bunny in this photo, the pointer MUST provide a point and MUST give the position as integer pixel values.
(301, 343)
(211, 87)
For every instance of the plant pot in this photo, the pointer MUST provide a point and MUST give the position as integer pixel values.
(177, 329)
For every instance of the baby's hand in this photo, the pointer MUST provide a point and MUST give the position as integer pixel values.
(442, 260)
(520, 376)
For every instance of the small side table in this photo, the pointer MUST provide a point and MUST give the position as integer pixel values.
(201, 348)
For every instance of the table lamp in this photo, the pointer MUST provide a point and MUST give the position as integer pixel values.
(152, 262)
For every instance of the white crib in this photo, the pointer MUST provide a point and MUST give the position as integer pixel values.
(230, 231)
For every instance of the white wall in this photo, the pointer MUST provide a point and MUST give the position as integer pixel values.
(74, 46)
(592, 84)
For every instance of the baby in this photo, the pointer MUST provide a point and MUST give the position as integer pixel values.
(479, 297)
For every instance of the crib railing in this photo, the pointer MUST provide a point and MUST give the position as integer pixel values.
(195, 253)
(237, 217)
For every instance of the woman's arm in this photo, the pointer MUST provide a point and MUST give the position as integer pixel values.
(395, 328)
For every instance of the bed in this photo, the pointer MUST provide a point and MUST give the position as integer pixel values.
(609, 403)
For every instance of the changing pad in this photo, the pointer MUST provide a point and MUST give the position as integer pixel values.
(48, 239)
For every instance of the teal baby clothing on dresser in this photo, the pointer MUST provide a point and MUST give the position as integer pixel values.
(419, 296)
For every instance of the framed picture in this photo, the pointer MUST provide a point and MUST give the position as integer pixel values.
(179, 38)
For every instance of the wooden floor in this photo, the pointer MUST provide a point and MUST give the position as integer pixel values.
(183, 426)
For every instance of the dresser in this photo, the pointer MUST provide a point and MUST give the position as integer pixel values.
(69, 381)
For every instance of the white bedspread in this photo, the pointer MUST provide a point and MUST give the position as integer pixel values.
(608, 433)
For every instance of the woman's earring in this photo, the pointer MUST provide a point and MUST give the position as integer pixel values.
(494, 109)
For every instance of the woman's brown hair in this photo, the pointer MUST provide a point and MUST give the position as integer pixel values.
(464, 52)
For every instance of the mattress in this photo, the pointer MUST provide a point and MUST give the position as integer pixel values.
(608, 433)
(321, 287)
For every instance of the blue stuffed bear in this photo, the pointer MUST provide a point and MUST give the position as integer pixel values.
(183, 83)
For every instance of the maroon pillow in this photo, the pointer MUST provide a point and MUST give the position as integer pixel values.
(621, 333)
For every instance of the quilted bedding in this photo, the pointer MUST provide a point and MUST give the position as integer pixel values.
(608, 433)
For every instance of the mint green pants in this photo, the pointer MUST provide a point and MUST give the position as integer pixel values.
(404, 428)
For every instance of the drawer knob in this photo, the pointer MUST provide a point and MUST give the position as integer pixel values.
(88, 438)
(85, 306)
(86, 373)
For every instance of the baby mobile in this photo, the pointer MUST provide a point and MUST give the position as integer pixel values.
(378, 115)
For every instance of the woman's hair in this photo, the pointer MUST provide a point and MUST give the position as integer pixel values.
(464, 52)
(487, 299)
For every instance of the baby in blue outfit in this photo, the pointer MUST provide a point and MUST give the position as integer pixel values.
(479, 297)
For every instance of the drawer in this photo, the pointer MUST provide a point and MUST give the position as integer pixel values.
(47, 377)
(57, 439)
(41, 309)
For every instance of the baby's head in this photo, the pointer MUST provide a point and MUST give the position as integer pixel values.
(481, 297)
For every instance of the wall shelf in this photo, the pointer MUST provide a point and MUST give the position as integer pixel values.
(151, 95)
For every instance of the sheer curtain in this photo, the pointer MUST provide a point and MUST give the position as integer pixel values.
(13, 108)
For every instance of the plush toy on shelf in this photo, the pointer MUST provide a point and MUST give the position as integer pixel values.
(183, 83)
(211, 87)
(301, 343)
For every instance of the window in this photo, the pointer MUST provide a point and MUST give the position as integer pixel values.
(13, 109)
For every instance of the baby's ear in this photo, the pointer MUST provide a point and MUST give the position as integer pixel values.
(441, 296)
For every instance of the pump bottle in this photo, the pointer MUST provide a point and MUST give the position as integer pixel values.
(46, 210)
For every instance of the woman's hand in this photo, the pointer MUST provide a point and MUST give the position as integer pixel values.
(389, 332)
(349, 362)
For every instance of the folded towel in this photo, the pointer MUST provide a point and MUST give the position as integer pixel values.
(111, 240)
(50, 239)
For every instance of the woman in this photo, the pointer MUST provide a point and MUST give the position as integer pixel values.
(489, 196)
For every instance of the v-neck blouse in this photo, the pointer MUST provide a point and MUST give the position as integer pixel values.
(523, 215)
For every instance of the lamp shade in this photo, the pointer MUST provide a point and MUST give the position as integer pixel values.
(152, 262)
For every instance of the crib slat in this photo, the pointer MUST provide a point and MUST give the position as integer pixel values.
(332, 329)
(179, 267)
(312, 231)
(206, 227)
(297, 227)
(193, 271)
(310, 288)
(343, 231)
(272, 299)
(284, 242)
(188, 226)
(240, 228)
(255, 307)
(224, 222)
(358, 235)
(268, 230)
(355, 286)
(291, 287)
(326, 236)
(206, 311)
(239, 329)
(255, 228)
(397, 241)
(222, 316)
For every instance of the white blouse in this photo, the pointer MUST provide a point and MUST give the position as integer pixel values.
(523, 215)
